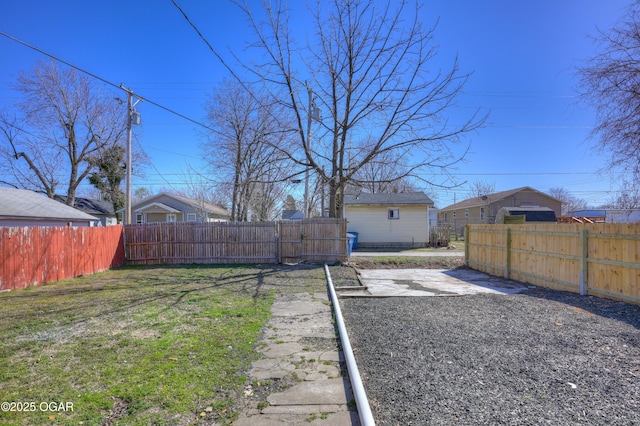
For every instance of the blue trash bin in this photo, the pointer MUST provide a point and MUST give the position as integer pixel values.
(355, 239)
(350, 239)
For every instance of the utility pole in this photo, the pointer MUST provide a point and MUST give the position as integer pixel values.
(130, 121)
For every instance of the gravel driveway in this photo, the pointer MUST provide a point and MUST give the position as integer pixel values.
(539, 357)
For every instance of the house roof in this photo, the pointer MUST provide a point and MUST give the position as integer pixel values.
(396, 199)
(89, 206)
(22, 203)
(292, 215)
(196, 204)
(492, 198)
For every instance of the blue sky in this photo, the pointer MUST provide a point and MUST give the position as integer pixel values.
(522, 56)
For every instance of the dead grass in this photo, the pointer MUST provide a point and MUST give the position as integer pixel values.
(399, 262)
(139, 345)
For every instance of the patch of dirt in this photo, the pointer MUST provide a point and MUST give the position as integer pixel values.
(119, 410)
(145, 334)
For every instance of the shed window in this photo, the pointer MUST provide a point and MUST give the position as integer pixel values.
(466, 212)
(482, 214)
(394, 214)
(191, 217)
(454, 214)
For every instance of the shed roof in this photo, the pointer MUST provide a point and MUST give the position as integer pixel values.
(28, 204)
(393, 198)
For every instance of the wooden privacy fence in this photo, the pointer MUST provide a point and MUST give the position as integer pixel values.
(311, 240)
(36, 255)
(602, 259)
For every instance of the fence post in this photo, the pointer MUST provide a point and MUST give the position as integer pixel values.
(507, 266)
(584, 267)
(466, 245)
(277, 228)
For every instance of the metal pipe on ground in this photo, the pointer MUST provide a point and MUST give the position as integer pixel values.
(362, 402)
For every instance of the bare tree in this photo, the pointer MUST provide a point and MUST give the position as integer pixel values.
(245, 151)
(483, 188)
(371, 67)
(141, 193)
(610, 81)
(65, 123)
(569, 202)
(627, 200)
(388, 172)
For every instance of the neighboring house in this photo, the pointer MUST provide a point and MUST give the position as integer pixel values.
(165, 207)
(479, 210)
(610, 215)
(20, 207)
(103, 210)
(292, 215)
(389, 220)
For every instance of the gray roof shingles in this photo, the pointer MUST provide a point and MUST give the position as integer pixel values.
(28, 204)
(399, 198)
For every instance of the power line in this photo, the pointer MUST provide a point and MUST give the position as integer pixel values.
(204, 39)
(97, 77)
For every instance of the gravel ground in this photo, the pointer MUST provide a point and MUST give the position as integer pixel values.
(540, 357)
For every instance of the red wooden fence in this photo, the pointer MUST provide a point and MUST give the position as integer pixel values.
(36, 255)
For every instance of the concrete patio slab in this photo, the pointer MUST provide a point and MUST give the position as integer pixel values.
(433, 282)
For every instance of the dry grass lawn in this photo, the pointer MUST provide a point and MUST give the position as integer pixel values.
(138, 345)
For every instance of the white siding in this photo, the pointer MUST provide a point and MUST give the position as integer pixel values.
(373, 225)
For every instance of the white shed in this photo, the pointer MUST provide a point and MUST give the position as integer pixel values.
(389, 219)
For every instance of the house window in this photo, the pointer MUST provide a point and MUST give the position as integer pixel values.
(191, 217)
(454, 214)
(482, 214)
(171, 217)
(445, 217)
(394, 214)
(139, 218)
(466, 212)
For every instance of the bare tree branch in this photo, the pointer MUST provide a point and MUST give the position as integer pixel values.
(70, 123)
(371, 69)
(610, 81)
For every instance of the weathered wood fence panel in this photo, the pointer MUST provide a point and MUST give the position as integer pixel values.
(599, 259)
(35, 255)
(322, 240)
